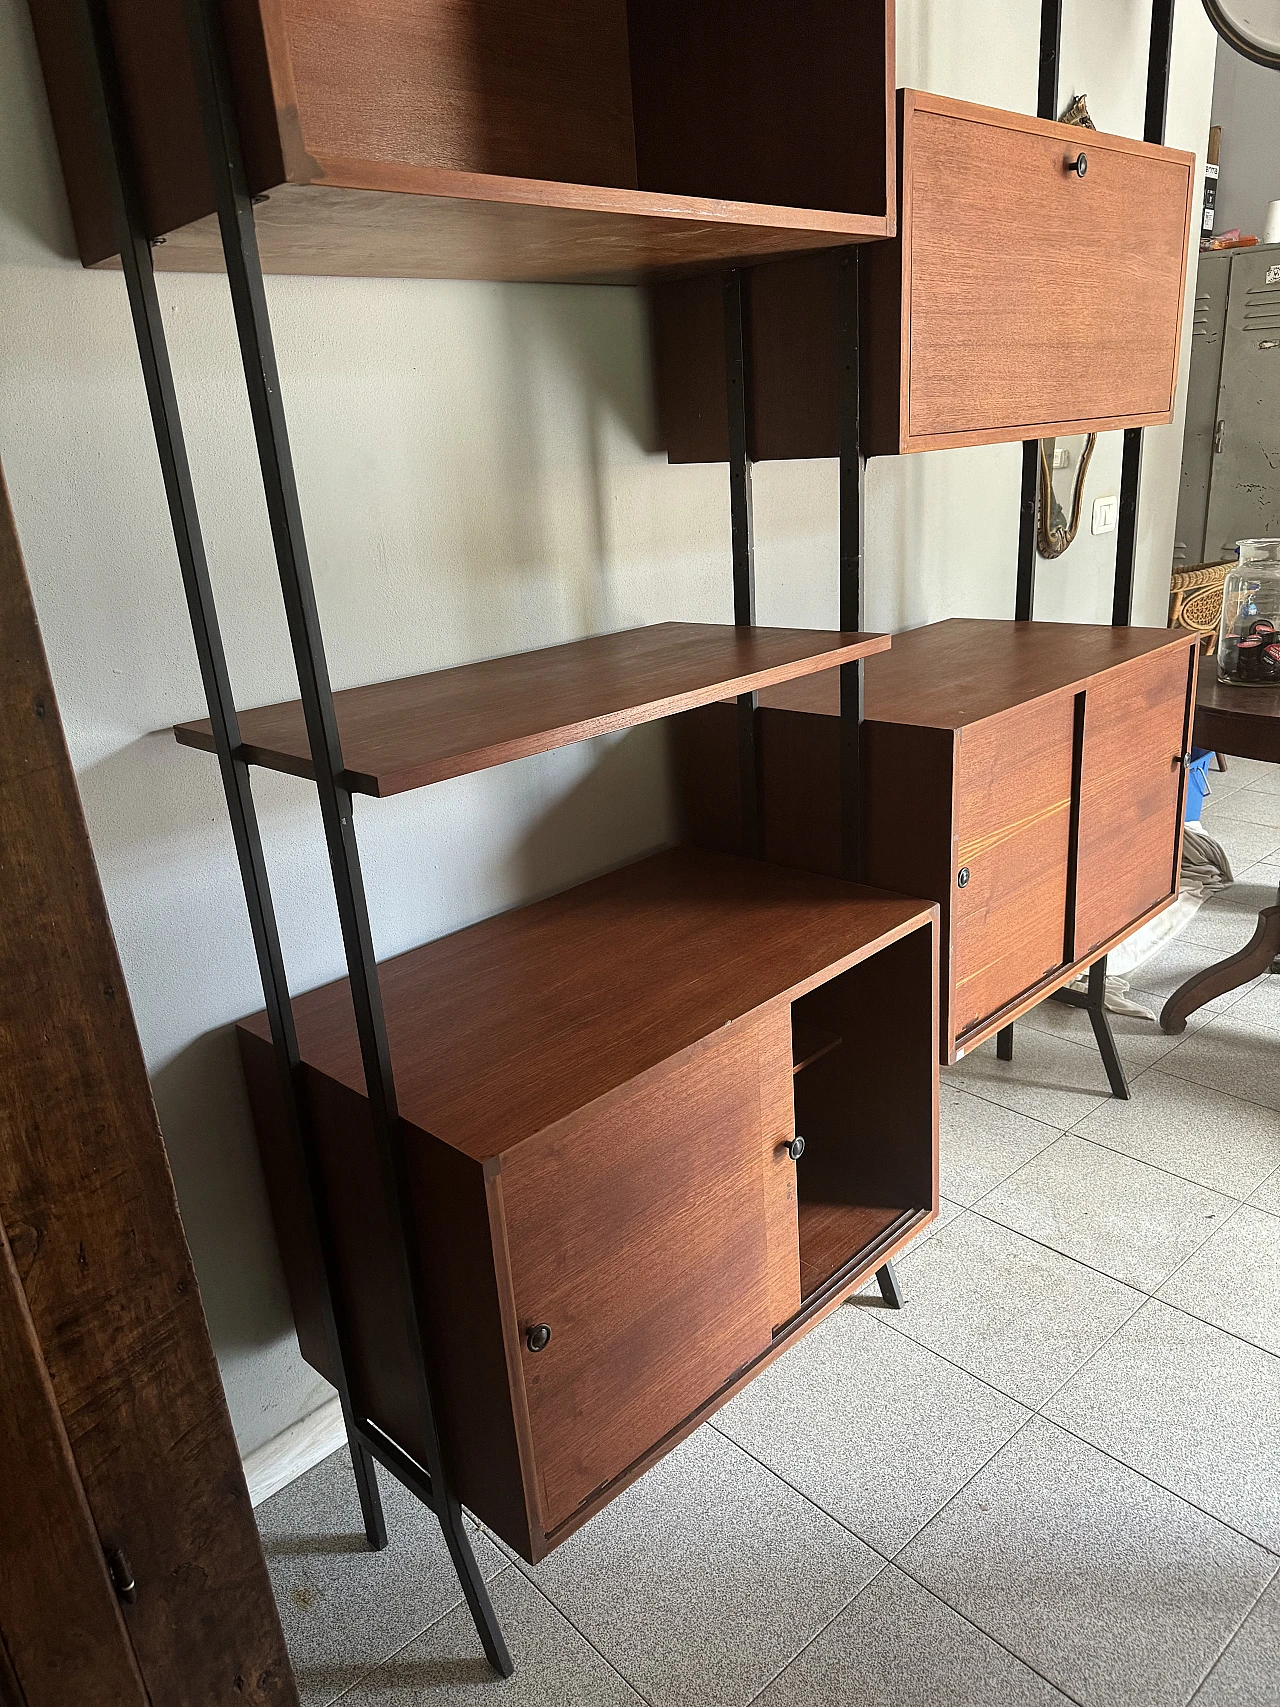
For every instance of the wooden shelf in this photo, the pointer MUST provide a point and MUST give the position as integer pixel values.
(405, 734)
(569, 140)
(809, 1043)
(560, 1002)
(833, 1235)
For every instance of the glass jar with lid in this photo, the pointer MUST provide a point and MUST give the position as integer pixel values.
(1249, 633)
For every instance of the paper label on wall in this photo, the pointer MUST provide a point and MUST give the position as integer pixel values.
(1273, 275)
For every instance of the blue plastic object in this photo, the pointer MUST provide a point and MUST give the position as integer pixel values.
(1197, 784)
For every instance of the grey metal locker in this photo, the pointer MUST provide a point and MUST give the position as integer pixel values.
(1230, 485)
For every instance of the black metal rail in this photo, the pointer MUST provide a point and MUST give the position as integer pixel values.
(742, 536)
(262, 379)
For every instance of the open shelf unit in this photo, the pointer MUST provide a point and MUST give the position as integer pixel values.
(565, 140)
(596, 1094)
(405, 734)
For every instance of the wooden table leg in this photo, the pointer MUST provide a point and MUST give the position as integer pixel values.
(1229, 974)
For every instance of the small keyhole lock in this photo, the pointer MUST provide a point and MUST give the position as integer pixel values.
(962, 877)
(538, 1338)
(795, 1149)
(1079, 166)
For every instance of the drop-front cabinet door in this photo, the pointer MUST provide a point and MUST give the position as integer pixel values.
(1135, 724)
(1035, 300)
(636, 1233)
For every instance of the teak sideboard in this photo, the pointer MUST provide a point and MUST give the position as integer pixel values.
(1028, 777)
(600, 1100)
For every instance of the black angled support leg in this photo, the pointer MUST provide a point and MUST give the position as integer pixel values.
(890, 1287)
(366, 1475)
(1096, 1003)
(1004, 1044)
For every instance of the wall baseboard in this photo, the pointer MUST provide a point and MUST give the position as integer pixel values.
(294, 1451)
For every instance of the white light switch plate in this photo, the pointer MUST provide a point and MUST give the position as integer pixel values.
(1104, 515)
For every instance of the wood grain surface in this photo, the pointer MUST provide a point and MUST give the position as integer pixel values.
(1013, 812)
(87, 1201)
(61, 1629)
(636, 1232)
(567, 999)
(404, 734)
(1037, 302)
(951, 674)
(1135, 735)
(490, 139)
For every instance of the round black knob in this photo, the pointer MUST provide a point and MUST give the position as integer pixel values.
(1080, 165)
(538, 1338)
(962, 876)
(795, 1149)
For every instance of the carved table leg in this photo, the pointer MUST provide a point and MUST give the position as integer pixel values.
(1227, 975)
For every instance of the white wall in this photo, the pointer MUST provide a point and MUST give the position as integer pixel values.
(477, 476)
(1246, 103)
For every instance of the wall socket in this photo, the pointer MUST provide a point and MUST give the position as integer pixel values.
(1104, 515)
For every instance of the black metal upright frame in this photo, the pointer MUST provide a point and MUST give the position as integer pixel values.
(1159, 60)
(431, 1481)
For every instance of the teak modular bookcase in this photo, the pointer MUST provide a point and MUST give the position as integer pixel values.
(1028, 777)
(550, 1189)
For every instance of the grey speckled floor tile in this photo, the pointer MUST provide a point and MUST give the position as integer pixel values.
(1156, 979)
(981, 1143)
(1117, 1591)
(343, 1608)
(899, 1646)
(704, 1579)
(1226, 921)
(1234, 1280)
(1188, 1129)
(1232, 1054)
(1192, 1408)
(1248, 1674)
(1267, 1195)
(1050, 1079)
(555, 1666)
(1259, 1006)
(872, 1427)
(1245, 773)
(1107, 1210)
(1246, 844)
(1010, 1311)
(1247, 805)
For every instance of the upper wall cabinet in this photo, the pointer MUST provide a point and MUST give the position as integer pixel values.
(1036, 288)
(602, 140)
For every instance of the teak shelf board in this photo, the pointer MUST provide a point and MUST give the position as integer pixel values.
(956, 673)
(405, 734)
(553, 140)
(809, 1043)
(834, 1235)
(562, 1002)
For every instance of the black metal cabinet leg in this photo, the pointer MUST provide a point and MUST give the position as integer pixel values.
(1096, 1006)
(473, 1587)
(890, 1287)
(375, 1524)
(1004, 1044)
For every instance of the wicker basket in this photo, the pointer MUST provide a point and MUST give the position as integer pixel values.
(1195, 596)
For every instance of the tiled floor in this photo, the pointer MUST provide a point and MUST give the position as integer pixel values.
(1054, 1476)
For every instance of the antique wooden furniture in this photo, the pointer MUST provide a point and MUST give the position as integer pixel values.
(1026, 776)
(601, 1095)
(119, 1464)
(501, 139)
(1244, 721)
(1020, 299)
